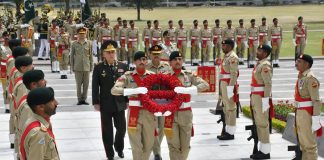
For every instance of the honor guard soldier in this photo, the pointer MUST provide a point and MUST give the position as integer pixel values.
(156, 34)
(81, 61)
(299, 37)
(275, 37)
(63, 51)
(308, 108)
(43, 37)
(5, 52)
(194, 37)
(112, 108)
(229, 88)
(206, 37)
(132, 42)
(182, 39)
(122, 43)
(228, 32)
(117, 28)
(146, 37)
(241, 43)
(53, 33)
(26, 34)
(141, 122)
(172, 31)
(106, 33)
(263, 32)
(157, 66)
(38, 141)
(180, 123)
(217, 41)
(167, 46)
(253, 42)
(69, 26)
(2, 29)
(261, 85)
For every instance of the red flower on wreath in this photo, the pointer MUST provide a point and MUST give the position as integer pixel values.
(169, 82)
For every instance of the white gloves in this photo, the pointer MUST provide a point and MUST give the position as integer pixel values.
(189, 44)
(99, 45)
(12, 138)
(230, 91)
(269, 43)
(36, 35)
(118, 44)
(138, 90)
(316, 123)
(200, 45)
(126, 48)
(235, 44)
(143, 43)
(24, 25)
(245, 43)
(294, 41)
(56, 44)
(79, 25)
(34, 47)
(186, 90)
(265, 104)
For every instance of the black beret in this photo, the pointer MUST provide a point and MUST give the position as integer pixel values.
(266, 48)
(174, 55)
(252, 20)
(14, 43)
(241, 20)
(264, 18)
(39, 96)
(229, 42)
(139, 55)
(109, 45)
(306, 58)
(32, 76)
(23, 61)
(300, 18)
(156, 49)
(19, 51)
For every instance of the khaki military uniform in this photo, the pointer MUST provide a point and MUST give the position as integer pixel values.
(162, 68)
(36, 22)
(10, 64)
(228, 33)
(142, 137)
(123, 56)
(307, 88)
(262, 80)
(172, 34)
(5, 52)
(217, 41)
(240, 37)
(116, 34)
(194, 37)
(132, 42)
(27, 38)
(63, 52)
(53, 34)
(146, 39)
(156, 36)
(253, 43)
(82, 64)
(167, 49)
(275, 37)
(181, 40)
(229, 78)
(71, 29)
(300, 35)
(105, 34)
(263, 34)
(182, 126)
(39, 143)
(206, 37)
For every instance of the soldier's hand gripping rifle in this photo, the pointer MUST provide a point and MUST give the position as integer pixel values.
(254, 133)
(296, 148)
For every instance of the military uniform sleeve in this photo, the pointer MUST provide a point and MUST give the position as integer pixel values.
(233, 71)
(72, 56)
(294, 32)
(201, 84)
(313, 88)
(266, 75)
(281, 35)
(91, 56)
(95, 85)
(118, 88)
(35, 145)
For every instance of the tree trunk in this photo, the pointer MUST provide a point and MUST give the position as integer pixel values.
(67, 6)
(18, 3)
(138, 6)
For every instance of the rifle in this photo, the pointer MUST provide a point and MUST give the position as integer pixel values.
(296, 148)
(254, 133)
(238, 106)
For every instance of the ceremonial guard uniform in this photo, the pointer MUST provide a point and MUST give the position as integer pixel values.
(241, 43)
(123, 55)
(132, 41)
(253, 35)
(263, 32)
(26, 34)
(43, 36)
(105, 33)
(5, 52)
(228, 32)
(300, 37)
(182, 39)
(53, 33)
(217, 41)
(172, 32)
(156, 34)
(63, 51)
(206, 37)
(275, 37)
(194, 37)
(146, 37)
(167, 47)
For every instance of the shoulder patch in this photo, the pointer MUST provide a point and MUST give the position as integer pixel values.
(233, 61)
(314, 84)
(43, 129)
(266, 69)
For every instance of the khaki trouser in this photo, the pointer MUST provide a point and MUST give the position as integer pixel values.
(264, 40)
(205, 52)
(123, 54)
(240, 49)
(142, 140)
(183, 50)
(179, 143)
(229, 106)
(82, 81)
(275, 50)
(195, 51)
(301, 47)
(4, 92)
(64, 61)
(253, 50)
(307, 138)
(217, 50)
(261, 119)
(131, 52)
(158, 139)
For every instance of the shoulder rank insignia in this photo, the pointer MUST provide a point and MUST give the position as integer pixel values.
(314, 84)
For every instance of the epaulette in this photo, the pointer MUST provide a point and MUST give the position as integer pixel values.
(43, 129)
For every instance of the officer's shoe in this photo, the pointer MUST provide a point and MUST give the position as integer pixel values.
(157, 157)
(110, 158)
(195, 64)
(226, 136)
(260, 155)
(251, 66)
(7, 111)
(85, 103)
(276, 65)
(121, 154)
(65, 76)
(241, 63)
(12, 145)
(79, 103)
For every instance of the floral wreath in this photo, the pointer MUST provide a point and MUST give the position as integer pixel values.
(169, 82)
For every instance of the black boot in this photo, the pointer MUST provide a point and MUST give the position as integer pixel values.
(260, 155)
(12, 145)
(226, 136)
(157, 157)
(7, 111)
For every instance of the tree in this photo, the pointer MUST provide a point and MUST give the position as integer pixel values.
(145, 4)
(67, 6)
(18, 4)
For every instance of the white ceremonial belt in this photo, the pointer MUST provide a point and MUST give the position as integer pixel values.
(156, 39)
(122, 37)
(185, 105)
(253, 38)
(217, 36)
(263, 34)
(147, 37)
(257, 89)
(275, 37)
(303, 104)
(132, 39)
(205, 39)
(194, 38)
(300, 35)
(240, 36)
(182, 38)
(134, 103)
(222, 76)
(3, 63)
